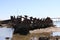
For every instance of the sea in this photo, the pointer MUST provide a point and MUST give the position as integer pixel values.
(6, 32)
(57, 23)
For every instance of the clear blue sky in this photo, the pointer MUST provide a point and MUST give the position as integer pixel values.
(35, 8)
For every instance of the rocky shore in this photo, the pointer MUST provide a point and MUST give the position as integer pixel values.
(37, 33)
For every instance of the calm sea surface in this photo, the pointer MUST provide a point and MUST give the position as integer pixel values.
(6, 32)
(57, 23)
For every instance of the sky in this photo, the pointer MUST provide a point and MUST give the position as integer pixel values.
(35, 8)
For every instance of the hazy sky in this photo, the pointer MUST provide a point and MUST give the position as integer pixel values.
(35, 8)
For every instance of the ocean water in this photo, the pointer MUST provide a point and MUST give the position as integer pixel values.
(6, 32)
(57, 23)
(56, 34)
